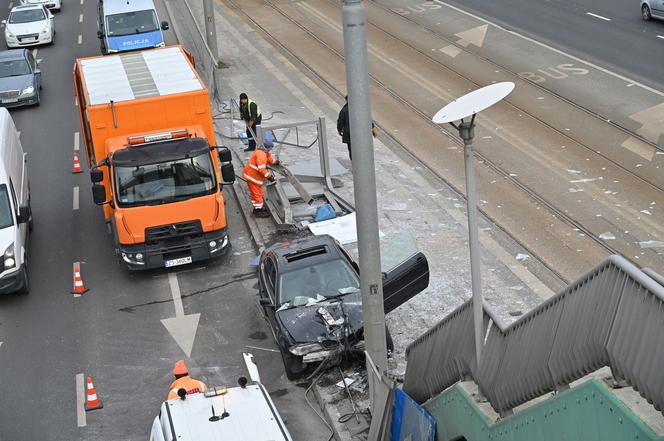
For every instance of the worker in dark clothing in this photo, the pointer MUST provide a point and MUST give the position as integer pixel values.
(343, 127)
(251, 114)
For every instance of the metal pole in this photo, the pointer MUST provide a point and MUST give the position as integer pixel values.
(467, 132)
(364, 182)
(210, 28)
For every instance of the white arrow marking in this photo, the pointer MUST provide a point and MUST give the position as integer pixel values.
(652, 127)
(474, 36)
(181, 327)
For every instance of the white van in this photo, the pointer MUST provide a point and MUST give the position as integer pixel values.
(15, 214)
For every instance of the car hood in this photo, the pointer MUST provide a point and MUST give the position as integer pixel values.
(305, 325)
(16, 83)
(136, 41)
(34, 27)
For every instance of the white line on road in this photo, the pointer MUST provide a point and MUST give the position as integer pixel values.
(80, 400)
(551, 48)
(598, 16)
(77, 138)
(661, 36)
(76, 198)
(81, 1)
(34, 52)
(80, 39)
(80, 18)
(175, 292)
(11, 5)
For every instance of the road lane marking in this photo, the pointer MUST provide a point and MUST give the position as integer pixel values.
(75, 195)
(80, 400)
(77, 138)
(11, 4)
(598, 16)
(661, 36)
(80, 18)
(34, 52)
(181, 327)
(551, 48)
(175, 292)
(80, 39)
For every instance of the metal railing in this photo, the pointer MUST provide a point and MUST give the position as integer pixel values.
(612, 316)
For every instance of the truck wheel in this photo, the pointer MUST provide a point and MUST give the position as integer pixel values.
(292, 364)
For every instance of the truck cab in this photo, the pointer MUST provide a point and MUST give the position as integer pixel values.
(126, 25)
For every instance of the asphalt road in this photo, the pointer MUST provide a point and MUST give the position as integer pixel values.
(113, 332)
(618, 39)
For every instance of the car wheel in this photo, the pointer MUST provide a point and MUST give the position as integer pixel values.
(26, 282)
(645, 13)
(31, 222)
(38, 103)
(292, 364)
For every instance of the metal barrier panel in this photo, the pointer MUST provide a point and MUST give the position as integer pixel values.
(612, 316)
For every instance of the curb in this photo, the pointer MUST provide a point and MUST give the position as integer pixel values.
(249, 220)
(326, 412)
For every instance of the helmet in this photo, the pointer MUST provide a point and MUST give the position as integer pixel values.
(180, 368)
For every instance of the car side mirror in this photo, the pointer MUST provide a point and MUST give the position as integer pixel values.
(100, 34)
(23, 214)
(96, 175)
(164, 26)
(228, 173)
(266, 302)
(224, 154)
(99, 194)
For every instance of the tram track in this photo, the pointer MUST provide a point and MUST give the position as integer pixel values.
(530, 193)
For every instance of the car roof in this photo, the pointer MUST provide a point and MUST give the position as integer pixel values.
(13, 54)
(301, 253)
(23, 7)
(119, 6)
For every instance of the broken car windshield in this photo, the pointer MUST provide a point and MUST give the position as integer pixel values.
(324, 279)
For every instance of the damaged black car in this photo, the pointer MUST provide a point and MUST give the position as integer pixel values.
(310, 295)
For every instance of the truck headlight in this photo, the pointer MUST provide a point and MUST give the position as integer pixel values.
(28, 90)
(9, 260)
(305, 349)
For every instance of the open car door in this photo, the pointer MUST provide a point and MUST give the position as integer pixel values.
(405, 270)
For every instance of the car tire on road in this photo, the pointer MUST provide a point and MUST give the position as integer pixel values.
(26, 282)
(645, 13)
(292, 364)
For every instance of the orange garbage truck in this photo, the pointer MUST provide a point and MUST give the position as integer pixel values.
(150, 146)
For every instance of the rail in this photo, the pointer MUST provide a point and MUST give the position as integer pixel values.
(612, 316)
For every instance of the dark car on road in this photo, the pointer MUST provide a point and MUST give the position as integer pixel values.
(309, 291)
(20, 78)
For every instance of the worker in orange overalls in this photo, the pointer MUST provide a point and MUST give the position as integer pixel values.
(255, 173)
(184, 381)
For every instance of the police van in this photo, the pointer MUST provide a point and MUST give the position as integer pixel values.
(242, 413)
(127, 25)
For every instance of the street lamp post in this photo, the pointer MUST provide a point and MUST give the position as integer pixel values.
(364, 182)
(466, 108)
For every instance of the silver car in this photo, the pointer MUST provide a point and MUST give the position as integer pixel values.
(652, 9)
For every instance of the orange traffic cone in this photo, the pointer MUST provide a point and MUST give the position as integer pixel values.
(92, 402)
(79, 288)
(77, 164)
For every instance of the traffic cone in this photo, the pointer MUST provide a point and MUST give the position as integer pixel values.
(77, 164)
(92, 402)
(79, 288)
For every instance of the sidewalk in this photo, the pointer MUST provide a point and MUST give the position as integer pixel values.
(409, 196)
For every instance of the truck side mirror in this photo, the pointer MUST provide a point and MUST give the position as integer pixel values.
(96, 175)
(164, 26)
(23, 214)
(228, 173)
(98, 194)
(224, 154)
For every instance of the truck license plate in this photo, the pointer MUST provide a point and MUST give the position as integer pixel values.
(176, 262)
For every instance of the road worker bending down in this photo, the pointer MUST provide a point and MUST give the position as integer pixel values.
(184, 381)
(255, 173)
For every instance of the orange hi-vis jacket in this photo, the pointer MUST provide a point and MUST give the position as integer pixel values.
(187, 383)
(256, 169)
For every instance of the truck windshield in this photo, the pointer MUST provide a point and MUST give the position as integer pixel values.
(130, 23)
(165, 182)
(6, 219)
